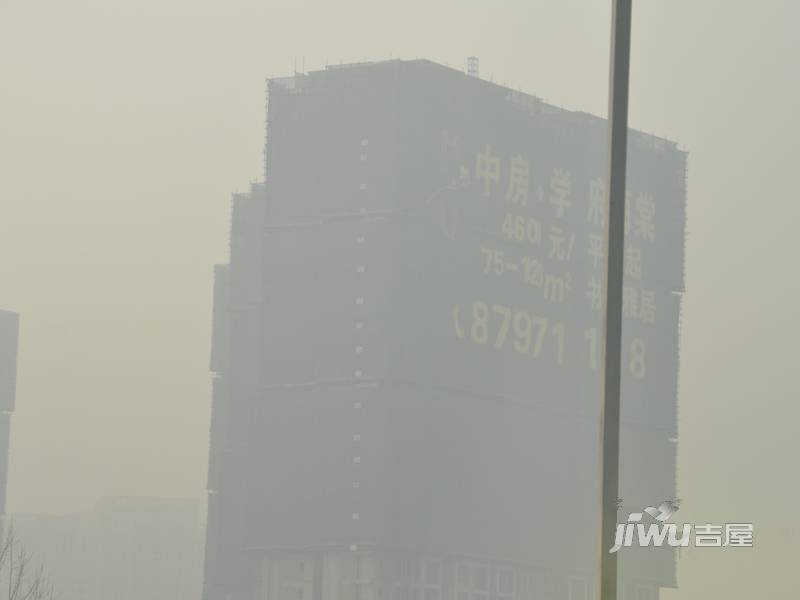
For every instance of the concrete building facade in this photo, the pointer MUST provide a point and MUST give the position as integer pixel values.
(406, 359)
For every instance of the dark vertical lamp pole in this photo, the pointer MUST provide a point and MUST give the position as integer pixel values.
(610, 410)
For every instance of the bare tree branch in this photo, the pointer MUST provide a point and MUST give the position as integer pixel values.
(22, 582)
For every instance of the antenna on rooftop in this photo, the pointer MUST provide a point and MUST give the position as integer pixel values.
(472, 66)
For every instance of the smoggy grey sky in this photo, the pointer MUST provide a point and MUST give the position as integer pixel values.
(126, 126)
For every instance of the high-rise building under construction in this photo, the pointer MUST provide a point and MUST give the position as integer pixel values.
(407, 346)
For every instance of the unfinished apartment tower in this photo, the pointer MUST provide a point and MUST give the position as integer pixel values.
(406, 346)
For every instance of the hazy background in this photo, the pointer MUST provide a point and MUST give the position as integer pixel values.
(125, 126)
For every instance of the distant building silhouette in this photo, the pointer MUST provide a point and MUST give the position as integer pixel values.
(406, 346)
(9, 334)
(125, 549)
